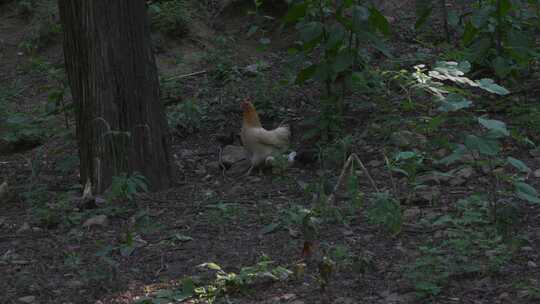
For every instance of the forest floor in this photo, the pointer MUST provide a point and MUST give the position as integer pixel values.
(54, 251)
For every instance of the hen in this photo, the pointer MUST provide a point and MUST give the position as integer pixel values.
(259, 142)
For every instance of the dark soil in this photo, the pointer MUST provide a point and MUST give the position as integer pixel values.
(213, 216)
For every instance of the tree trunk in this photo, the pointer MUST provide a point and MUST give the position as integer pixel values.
(121, 126)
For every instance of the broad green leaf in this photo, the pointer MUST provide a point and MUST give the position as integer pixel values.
(188, 290)
(505, 7)
(526, 192)
(292, 51)
(454, 102)
(182, 237)
(485, 146)
(336, 36)
(164, 293)
(270, 228)
(399, 170)
(360, 17)
(343, 61)
(464, 66)
(501, 66)
(252, 30)
(406, 155)
(481, 16)
(379, 21)
(324, 72)
(453, 18)
(518, 164)
(211, 265)
(490, 86)
(494, 125)
(296, 12)
(478, 50)
(469, 33)
(456, 155)
(311, 31)
(306, 74)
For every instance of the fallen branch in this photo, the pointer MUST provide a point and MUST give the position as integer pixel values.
(186, 75)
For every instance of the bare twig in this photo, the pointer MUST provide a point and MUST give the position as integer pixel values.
(366, 172)
(186, 75)
(348, 165)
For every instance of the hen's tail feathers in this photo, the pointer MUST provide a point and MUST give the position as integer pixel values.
(282, 134)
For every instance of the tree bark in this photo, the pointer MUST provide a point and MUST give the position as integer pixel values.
(120, 121)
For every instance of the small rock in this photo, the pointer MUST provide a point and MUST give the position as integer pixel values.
(504, 296)
(2, 220)
(348, 232)
(527, 248)
(532, 264)
(233, 154)
(256, 68)
(24, 228)
(537, 173)
(99, 220)
(288, 296)
(411, 213)
(28, 299)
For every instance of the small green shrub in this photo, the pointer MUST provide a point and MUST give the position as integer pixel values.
(125, 187)
(170, 17)
(386, 212)
(186, 117)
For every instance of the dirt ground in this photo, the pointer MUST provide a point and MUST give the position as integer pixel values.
(209, 216)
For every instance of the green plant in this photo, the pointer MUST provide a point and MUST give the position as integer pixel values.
(429, 272)
(225, 211)
(230, 282)
(171, 17)
(43, 27)
(331, 36)
(385, 211)
(225, 283)
(220, 58)
(486, 144)
(473, 245)
(408, 163)
(124, 187)
(186, 117)
(22, 129)
(499, 34)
